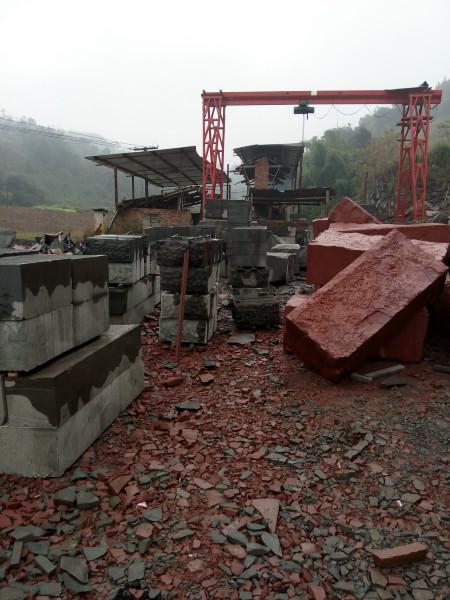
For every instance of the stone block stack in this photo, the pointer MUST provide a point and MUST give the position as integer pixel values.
(133, 286)
(201, 303)
(65, 373)
(254, 304)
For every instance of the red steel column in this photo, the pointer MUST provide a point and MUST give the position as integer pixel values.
(213, 147)
(413, 163)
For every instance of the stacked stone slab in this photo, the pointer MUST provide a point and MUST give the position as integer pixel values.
(201, 301)
(254, 304)
(65, 373)
(133, 285)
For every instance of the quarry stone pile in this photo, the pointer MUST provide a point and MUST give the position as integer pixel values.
(65, 372)
(201, 300)
(254, 304)
(133, 285)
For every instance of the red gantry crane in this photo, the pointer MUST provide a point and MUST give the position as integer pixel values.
(415, 119)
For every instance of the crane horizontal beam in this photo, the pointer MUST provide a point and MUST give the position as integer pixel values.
(400, 96)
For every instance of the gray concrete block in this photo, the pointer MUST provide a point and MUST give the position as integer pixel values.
(202, 251)
(90, 319)
(56, 413)
(248, 260)
(197, 306)
(243, 277)
(89, 277)
(201, 280)
(256, 313)
(124, 298)
(248, 293)
(282, 267)
(33, 285)
(125, 273)
(118, 248)
(257, 234)
(137, 313)
(294, 249)
(194, 331)
(7, 237)
(27, 344)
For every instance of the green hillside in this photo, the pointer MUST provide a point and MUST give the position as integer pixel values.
(47, 170)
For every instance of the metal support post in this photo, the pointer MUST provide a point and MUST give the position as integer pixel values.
(116, 188)
(184, 278)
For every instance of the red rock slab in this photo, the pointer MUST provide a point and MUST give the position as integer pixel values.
(317, 592)
(334, 250)
(386, 558)
(348, 211)
(427, 232)
(364, 305)
(319, 226)
(407, 344)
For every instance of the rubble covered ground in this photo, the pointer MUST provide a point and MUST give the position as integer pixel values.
(240, 474)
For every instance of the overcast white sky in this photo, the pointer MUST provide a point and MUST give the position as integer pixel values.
(134, 71)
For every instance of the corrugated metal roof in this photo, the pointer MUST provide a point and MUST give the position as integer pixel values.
(287, 155)
(171, 167)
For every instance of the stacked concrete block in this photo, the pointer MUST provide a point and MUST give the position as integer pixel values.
(294, 249)
(254, 304)
(201, 301)
(36, 311)
(125, 256)
(54, 413)
(238, 213)
(133, 285)
(248, 246)
(282, 266)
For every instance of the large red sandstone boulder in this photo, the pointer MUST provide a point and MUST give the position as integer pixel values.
(406, 345)
(364, 305)
(334, 250)
(319, 226)
(347, 211)
(428, 232)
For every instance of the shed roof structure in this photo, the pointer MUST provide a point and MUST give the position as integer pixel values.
(170, 167)
(283, 161)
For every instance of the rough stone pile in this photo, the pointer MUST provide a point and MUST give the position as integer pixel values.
(254, 304)
(68, 373)
(133, 287)
(201, 301)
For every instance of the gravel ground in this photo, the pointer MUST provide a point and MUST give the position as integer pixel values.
(240, 474)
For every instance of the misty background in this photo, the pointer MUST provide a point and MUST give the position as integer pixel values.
(133, 73)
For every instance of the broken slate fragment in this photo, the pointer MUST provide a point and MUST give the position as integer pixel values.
(257, 549)
(75, 586)
(242, 339)
(190, 405)
(45, 565)
(236, 537)
(183, 534)
(66, 496)
(12, 594)
(27, 533)
(154, 515)
(353, 452)
(16, 553)
(86, 500)
(76, 568)
(206, 378)
(272, 542)
(268, 508)
(136, 571)
(116, 573)
(95, 552)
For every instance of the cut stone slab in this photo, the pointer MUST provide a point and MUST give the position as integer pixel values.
(197, 306)
(194, 331)
(201, 280)
(407, 344)
(249, 277)
(89, 277)
(282, 266)
(57, 412)
(256, 313)
(351, 316)
(137, 313)
(348, 211)
(33, 285)
(334, 250)
(90, 319)
(33, 342)
(76, 567)
(400, 555)
(268, 508)
(124, 298)
(427, 232)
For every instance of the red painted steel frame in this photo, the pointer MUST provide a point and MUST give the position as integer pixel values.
(414, 141)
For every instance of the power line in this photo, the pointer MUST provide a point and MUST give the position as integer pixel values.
(9, 124)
